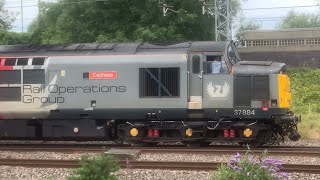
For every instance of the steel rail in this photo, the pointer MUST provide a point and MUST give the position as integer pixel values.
(287, 152)
(110, 145)
(311, 151)
(170, 165)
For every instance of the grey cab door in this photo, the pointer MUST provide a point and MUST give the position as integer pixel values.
(217, 82)
(195, 72)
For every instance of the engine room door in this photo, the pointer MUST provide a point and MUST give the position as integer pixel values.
(195, 72)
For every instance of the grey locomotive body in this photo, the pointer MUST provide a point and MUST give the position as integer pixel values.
(192, 92)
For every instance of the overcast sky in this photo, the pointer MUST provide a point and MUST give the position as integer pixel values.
(267, 18)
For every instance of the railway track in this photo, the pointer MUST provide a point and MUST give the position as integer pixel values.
(287, 151)
(196, 166)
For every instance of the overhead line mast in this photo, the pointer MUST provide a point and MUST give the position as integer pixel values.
(22, 23)
(220, 9)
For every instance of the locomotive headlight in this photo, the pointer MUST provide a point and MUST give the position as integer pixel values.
(189, 132)
(134, 132)
(247, 132)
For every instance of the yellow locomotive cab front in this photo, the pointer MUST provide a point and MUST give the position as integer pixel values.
(284, 91)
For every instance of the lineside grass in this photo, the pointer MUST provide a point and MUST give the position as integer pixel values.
(309, 127)
(305, 86)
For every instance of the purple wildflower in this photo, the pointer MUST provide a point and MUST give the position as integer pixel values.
(278, 163)
(230, 165)
(268, 161)
(235, 168)
(264, 167)
(233, 160)
(237, 155)
(272, 171)
(284, 174)
(276, 168)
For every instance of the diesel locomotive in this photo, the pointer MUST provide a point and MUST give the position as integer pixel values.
(192, 92)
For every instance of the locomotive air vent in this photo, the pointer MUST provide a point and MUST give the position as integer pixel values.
(22, 61)
(10, 77)
(38, 61)
(10, 62)
(159, 82)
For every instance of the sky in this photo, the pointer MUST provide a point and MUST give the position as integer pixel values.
(269, 18)
(266, 18)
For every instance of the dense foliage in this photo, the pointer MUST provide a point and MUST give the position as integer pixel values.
(101, 167)
(300, 20)
(5, 24)
(5, 20)
(122, 21)
(305, 85)
(248, 166)
(9, 38)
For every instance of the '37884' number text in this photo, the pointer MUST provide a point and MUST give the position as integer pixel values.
(243, 112)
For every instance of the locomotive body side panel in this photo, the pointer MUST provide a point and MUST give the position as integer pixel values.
(31, 79)
(70, 92)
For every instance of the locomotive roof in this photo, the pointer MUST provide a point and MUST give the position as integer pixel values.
(112, 48)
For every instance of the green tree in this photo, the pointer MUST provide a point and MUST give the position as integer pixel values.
(5, 20)
(300, 20)
(245, 26)
(7, 37)
(10, 38)
(122, 21)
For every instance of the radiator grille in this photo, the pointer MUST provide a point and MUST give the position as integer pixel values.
(159, 82)
(34, 76)
(10, 77)
(261, 90)
(242, 91)
(10, 94)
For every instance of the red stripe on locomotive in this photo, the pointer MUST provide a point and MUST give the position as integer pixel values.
(2, 64)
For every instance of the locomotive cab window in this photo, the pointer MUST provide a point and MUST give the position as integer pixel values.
(196, 64)
(233, 54)
(215, 64)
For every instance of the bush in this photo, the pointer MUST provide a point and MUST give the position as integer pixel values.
(96, 168)
(250, 167)
(305, 87)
